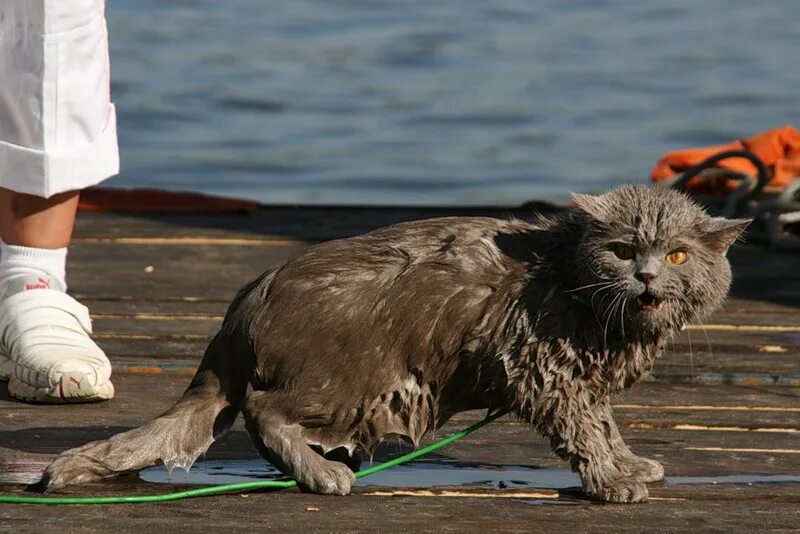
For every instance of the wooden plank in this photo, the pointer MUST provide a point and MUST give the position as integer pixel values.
(294, 512)
(181, 354)
(165, 307)
(757, 308)
(314, 222)
(36, 432)
(709, 398)
(676, 417)
(734, 312)
(188, 343)
(272, 241)
(166, 348)
(203, 272)
(109, 326)
(752, 361)
(683, 454)
(745, 336)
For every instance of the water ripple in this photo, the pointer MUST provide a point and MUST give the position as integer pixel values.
(447, 102)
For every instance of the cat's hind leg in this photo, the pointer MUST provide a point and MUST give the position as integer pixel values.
(280, 440)
(205, 412)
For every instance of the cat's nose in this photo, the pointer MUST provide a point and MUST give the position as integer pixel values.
(644, 276)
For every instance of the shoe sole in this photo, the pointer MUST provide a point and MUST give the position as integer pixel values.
(6, 367)
(72, 387)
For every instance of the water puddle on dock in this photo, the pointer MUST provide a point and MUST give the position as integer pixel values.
(417, 474)
(429, 474)
(437, 472)
(21, 472)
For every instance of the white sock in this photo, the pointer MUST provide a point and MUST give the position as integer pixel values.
(16, 261)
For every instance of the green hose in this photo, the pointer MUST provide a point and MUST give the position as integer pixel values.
(244, 486)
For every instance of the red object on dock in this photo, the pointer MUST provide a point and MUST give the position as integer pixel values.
(97, 199)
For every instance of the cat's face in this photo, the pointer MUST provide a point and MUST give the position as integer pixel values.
(657, 259)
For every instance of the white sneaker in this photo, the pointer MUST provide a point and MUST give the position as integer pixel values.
(45, 348)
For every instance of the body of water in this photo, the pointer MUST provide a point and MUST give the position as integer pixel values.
(450, 102)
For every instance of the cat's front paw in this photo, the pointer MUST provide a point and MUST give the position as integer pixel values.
(641, 469)
(622, 490)
(329, 478)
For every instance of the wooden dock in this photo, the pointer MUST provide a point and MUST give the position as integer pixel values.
(725, 400)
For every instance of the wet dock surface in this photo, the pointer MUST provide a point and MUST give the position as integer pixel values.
(721, 411)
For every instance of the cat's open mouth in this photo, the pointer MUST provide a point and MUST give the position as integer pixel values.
(649, 302)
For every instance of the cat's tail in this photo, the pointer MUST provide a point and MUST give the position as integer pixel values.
(177, 438)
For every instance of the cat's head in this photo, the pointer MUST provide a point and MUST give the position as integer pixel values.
(656, 259)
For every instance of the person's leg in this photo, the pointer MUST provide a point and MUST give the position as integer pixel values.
(32, 221)
(57, 123)
(57, 136)
(34, 234)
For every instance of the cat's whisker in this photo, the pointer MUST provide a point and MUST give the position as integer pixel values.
(708, 341)
(620, 305)
(684, 318)
(605, 283)
(691, 353)
(609, 294)
(610, 313)
(603, 287)
(594, 309)
(594, 294)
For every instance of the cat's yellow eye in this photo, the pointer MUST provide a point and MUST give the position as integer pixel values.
(677, 257)
(623, 251)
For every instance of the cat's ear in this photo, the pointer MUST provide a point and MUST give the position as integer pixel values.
(591, 205)
(719, 233)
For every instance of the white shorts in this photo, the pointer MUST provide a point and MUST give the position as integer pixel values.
(57, 124)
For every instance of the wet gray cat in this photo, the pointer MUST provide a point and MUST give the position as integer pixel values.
(389, 334)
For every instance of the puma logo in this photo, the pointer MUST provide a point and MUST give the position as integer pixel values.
(41, 283)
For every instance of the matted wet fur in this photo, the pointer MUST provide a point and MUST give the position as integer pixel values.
(390, 333)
